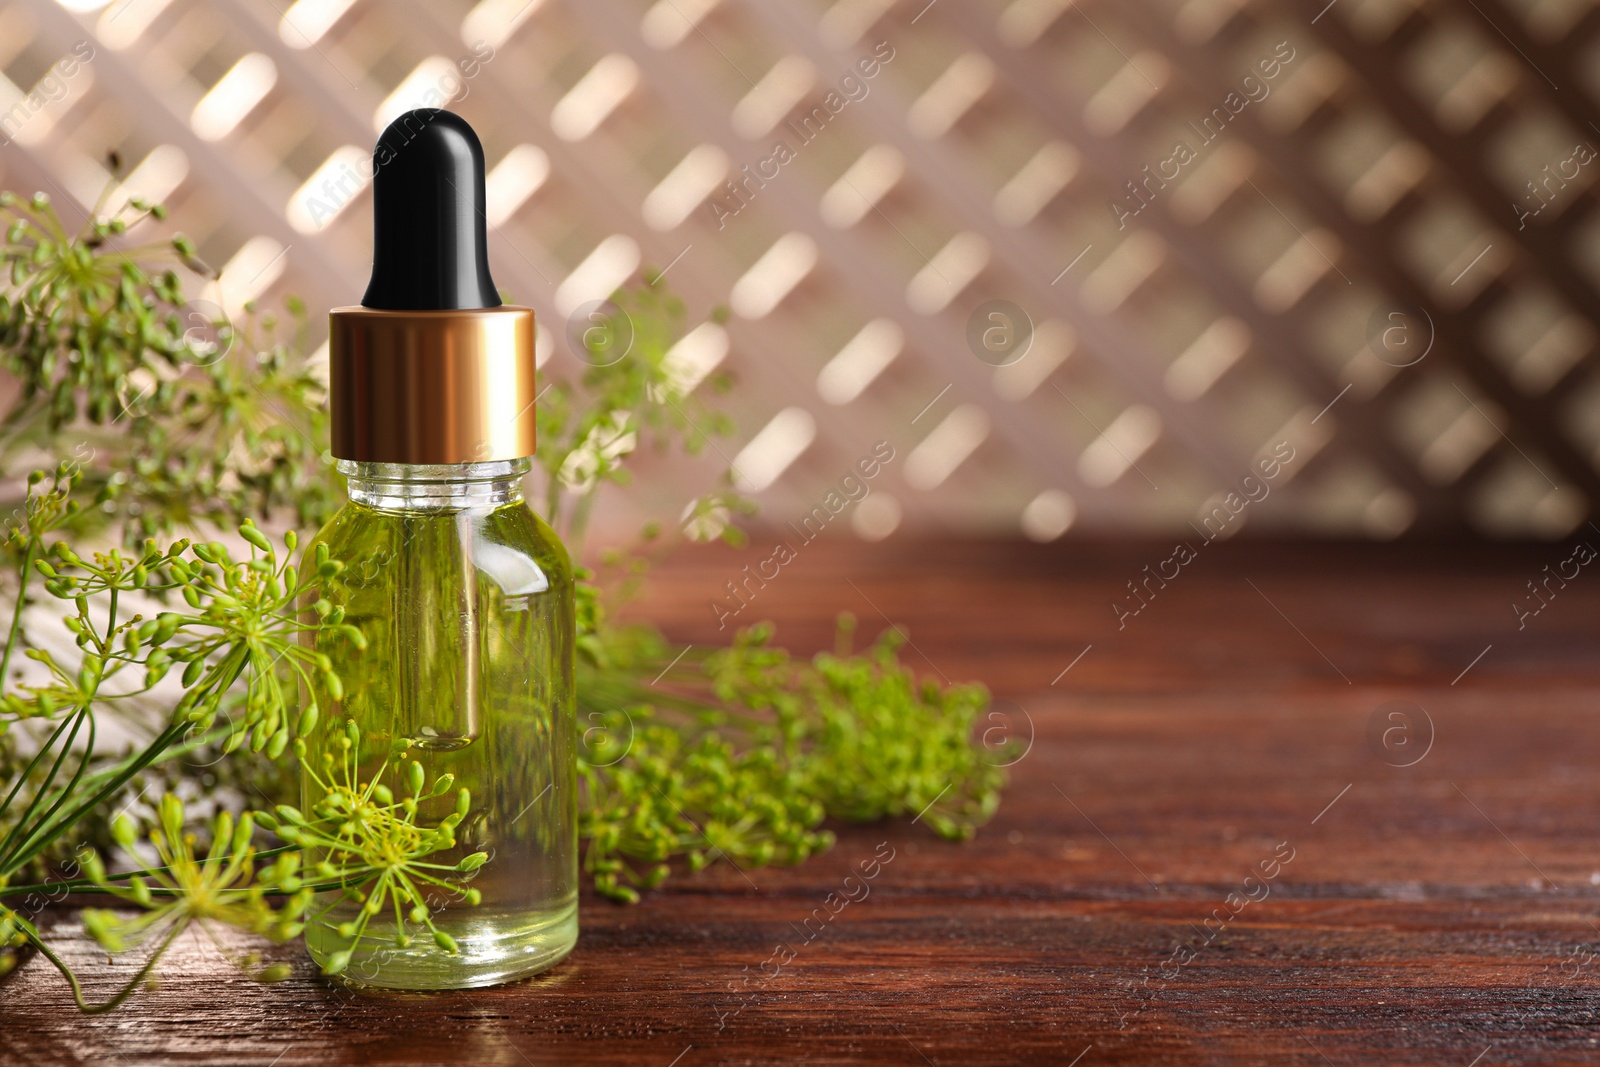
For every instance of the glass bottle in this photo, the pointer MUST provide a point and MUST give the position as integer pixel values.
(464, 597)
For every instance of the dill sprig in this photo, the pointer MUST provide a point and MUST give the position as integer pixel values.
(373, 849)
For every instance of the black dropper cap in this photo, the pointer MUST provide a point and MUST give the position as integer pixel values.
(428, 249)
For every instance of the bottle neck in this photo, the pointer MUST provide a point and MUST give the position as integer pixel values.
(435, 487)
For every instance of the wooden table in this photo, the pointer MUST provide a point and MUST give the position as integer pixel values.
(1209, 854)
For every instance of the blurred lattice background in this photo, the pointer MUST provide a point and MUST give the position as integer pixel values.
(1380, 251)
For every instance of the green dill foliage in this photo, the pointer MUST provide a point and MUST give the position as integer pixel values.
(373, 849)
(873, 741)
(80, 319)
(156, 415)
(746, 759)
(236, 438)
(186, 888)
(174, 413)
(232, 642)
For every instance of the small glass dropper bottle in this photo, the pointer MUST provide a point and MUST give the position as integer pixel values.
(463, 594)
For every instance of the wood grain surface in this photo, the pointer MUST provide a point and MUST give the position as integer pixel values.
(1210, 853)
